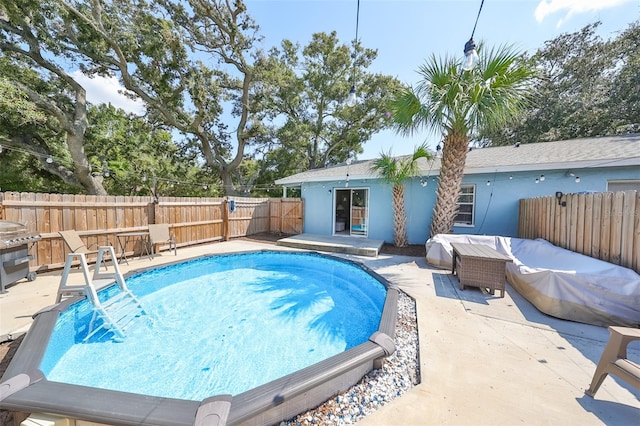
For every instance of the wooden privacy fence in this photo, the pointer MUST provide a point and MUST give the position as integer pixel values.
(98, 219)
(604, 225)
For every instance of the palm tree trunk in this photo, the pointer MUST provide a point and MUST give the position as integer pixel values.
(454, 156)
(399, 217)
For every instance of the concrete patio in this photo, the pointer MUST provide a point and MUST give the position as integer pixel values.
(334, 244)
(484, 360)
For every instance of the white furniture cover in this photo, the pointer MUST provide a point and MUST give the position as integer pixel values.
(557, 281)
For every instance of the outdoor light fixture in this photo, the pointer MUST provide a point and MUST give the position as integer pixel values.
(471, 58)
(352, 99)
(105, 169)
(438, 151)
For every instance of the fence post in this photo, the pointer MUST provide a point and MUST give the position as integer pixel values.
(225, 220)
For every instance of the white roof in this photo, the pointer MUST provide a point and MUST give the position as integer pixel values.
(606, 151)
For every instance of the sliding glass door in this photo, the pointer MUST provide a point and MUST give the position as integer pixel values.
(351, 212)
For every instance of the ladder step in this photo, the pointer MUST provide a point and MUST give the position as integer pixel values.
(118, 311)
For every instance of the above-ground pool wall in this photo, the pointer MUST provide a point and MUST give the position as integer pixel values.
(496, 205)
(26, 389)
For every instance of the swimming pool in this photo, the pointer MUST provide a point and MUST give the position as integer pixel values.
(272, 399)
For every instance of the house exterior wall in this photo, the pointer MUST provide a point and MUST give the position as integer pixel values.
(495, 208)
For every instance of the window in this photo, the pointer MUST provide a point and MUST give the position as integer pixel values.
(623, 185)
(466, 202)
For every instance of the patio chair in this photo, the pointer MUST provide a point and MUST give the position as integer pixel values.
(76, 245)
(159, 234)
(614, 359)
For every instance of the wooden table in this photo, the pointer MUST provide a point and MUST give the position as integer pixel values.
(145, 242)
(478, 265)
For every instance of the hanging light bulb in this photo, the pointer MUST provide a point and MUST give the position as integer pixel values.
(49, 159)
(537, 180)
(488, 183)
(577, 179)
(541, 178)
(423, 183)
(471, 57)
(144, 178)
(352, 99)
(105, 169)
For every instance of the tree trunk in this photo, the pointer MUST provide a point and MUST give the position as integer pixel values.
(399, 217)
(75, 143)
(228, 188)
(454, 156)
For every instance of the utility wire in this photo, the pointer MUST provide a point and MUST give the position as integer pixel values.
(477, 17)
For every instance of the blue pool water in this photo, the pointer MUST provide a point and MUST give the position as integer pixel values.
(221, 325)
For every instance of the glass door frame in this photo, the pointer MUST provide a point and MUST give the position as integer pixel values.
(350, 219)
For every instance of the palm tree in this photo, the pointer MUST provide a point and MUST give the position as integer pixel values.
(459, 104)
(395, 171)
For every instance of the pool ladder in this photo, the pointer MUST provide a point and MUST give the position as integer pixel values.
(117, 311)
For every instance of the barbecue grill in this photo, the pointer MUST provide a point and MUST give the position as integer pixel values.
(15, 241)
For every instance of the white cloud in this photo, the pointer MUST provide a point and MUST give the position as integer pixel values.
(107, 90)
(572, 7)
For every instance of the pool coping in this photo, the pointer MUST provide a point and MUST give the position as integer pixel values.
(25, 387)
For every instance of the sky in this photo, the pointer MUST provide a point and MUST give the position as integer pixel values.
(407, 32)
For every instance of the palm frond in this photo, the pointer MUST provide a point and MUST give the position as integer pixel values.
(407, 112)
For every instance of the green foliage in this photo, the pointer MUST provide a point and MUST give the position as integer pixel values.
(245, 117)
(461, 104)
(450, 100)
(396, 170)
(34, 37)
(131, 152)
(305, 89)
(585, 87)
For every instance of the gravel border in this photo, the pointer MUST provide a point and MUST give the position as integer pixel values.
(399, 373)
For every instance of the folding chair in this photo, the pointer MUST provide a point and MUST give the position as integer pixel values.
(159, 234)
(76, 245)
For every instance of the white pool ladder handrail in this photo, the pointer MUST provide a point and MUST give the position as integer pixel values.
(118, 311)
